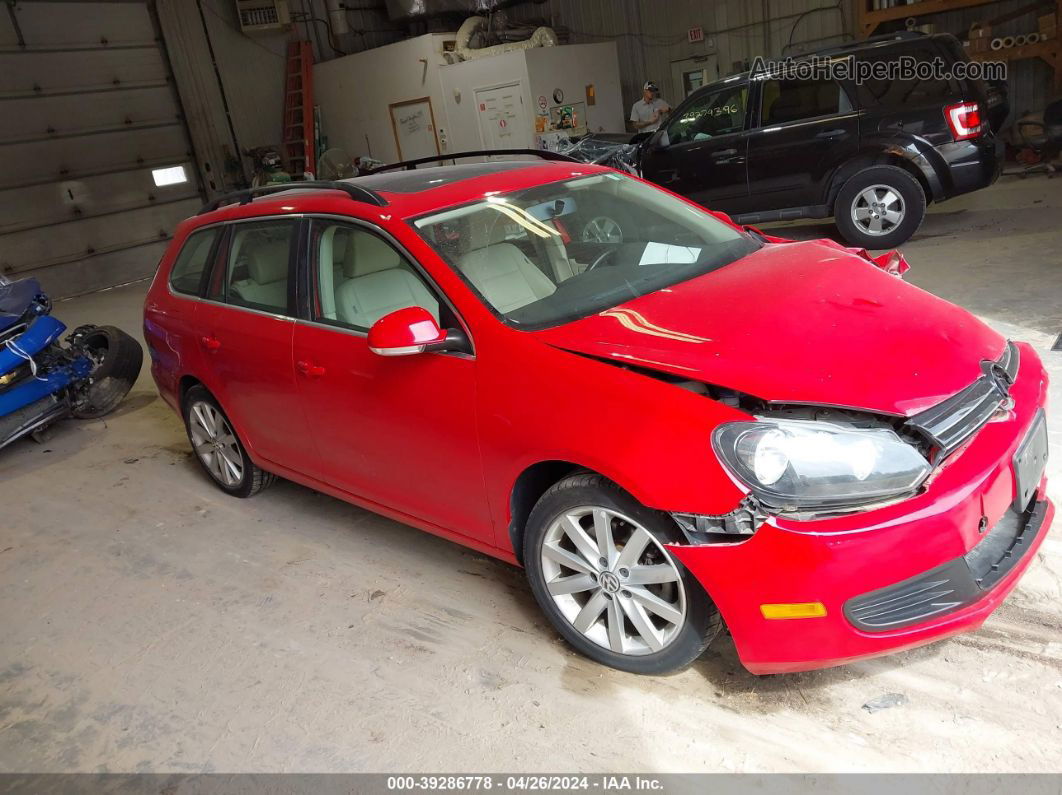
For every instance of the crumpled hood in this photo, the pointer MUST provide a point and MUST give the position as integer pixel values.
(15, 299)
(804, 322)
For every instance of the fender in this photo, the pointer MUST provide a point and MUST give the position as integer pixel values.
(913, 151)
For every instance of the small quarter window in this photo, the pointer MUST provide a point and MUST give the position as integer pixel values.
(187, 272)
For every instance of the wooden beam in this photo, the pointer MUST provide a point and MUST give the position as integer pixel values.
(870, 19)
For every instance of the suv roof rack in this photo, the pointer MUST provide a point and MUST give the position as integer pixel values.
(356, 192)
(409, 165)
(900, 35)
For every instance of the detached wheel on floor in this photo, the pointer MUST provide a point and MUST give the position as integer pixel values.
(880, 207)
(598, 568)
(117, 358)
(218, 449)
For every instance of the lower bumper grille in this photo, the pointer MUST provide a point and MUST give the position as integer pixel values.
(954, 585)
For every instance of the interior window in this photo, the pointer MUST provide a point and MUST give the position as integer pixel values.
(257, 265)
(187, 271)
(360, 277)
(716, 113)
(792, 100)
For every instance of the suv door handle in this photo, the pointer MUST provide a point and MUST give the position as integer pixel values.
(210, 343)
(724, 153)
(832, 133)
(310, 369)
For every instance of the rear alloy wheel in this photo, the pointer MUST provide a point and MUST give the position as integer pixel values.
(598, 568)
(880, 207)
(218, 448)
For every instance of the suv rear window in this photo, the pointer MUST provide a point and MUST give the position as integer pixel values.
(897, 93)
(187, 271)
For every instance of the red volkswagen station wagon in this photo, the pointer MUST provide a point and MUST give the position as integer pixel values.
(670, 421)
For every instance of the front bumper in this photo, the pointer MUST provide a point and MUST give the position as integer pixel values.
(841, 560)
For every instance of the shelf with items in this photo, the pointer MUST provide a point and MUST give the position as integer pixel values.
(868, 18)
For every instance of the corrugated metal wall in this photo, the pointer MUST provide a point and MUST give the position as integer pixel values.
(652, 34)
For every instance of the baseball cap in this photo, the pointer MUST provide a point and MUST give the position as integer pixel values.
(650, 86)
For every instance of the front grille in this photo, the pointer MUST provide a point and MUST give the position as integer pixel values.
(948, 424)
(954, 585)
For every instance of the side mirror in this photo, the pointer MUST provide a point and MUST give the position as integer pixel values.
(413, 330)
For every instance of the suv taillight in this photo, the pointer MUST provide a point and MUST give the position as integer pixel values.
(964, 119)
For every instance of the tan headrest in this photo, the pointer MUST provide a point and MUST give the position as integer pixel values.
(367, 254)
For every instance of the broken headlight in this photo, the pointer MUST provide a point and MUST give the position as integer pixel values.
(794, 464)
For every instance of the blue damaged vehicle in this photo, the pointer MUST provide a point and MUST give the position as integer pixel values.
(42, 379)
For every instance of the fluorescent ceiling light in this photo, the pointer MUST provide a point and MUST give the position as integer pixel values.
(173, 175)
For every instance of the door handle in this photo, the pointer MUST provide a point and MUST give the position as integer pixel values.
(724, 153)
(310, 369)
(210, 343)
(832, 133)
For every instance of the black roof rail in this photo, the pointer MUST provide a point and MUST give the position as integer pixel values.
(900, 35)
(409, 165)
(356, 192)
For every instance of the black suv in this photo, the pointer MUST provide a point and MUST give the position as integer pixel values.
(870, 155)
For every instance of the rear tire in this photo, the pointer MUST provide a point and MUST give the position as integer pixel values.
(218, 449)
(880, 207)
(118, 359)
(613, 592)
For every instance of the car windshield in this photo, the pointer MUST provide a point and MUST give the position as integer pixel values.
(564, 250)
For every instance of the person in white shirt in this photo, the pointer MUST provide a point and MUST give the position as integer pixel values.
(648, 111)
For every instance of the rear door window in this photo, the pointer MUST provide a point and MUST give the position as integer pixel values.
(784, 101)
(254, 267)
(187, 273)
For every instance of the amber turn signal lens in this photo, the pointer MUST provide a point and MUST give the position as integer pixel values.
(794, 610)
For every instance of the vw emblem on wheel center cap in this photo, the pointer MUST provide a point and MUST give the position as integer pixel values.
(609, 582)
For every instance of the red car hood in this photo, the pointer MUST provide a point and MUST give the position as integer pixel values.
(797, 322)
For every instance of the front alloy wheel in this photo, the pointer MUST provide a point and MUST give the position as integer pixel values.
(599, 569)
(613, 581)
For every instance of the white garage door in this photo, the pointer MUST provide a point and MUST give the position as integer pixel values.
(88, 115)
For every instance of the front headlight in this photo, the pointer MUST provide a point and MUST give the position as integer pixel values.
(793, 464)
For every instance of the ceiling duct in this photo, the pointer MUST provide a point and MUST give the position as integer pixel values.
(406, 10)
(472, 35)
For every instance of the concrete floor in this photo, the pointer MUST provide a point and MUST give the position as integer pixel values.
(151, 623)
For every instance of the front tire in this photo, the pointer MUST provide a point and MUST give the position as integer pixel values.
(598, 568)
(218, 449)
(880, 207)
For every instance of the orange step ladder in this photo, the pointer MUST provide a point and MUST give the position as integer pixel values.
(298, 137)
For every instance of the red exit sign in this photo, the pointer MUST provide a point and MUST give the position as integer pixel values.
(695, 34)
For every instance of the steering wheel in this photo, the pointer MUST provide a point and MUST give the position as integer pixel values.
(601, 258)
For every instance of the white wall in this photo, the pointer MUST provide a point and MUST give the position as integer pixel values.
(571, 68)
(459, 83)
(355, 92)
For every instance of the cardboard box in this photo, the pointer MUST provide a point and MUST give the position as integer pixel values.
(1048, 25)
(980, 37)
